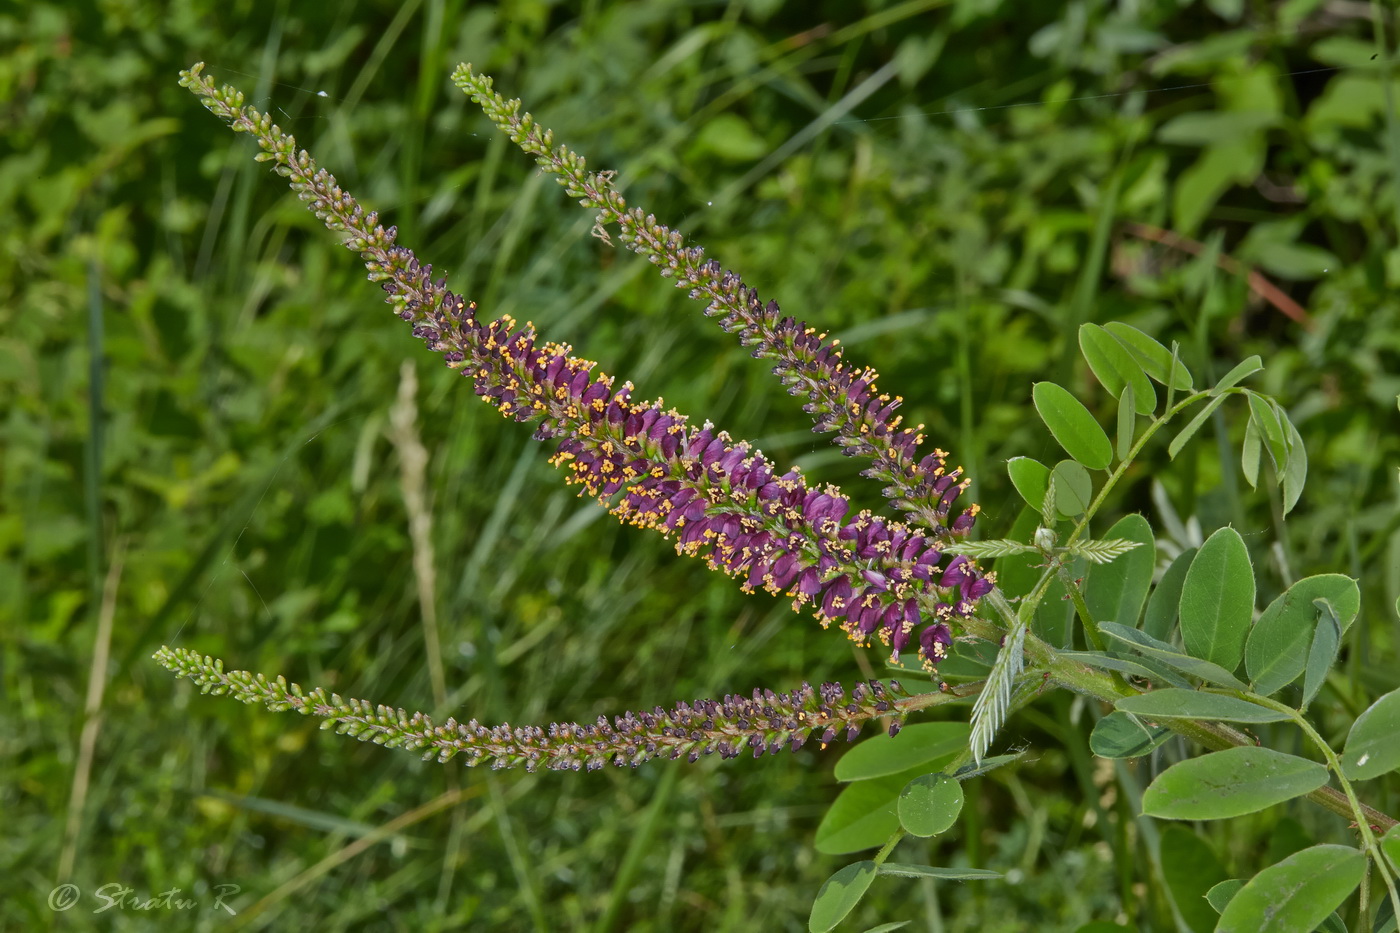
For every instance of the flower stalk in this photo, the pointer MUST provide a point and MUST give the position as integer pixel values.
(766, 722)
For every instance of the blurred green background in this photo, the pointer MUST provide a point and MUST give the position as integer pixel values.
(201, 446)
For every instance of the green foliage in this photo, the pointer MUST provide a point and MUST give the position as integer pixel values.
(1073, 426)
(1175, 703)
(1121, 735)
(1230, 783)
(1371, 749)
(1191, 868)
(1217, 600)
(917, 745)
(864, 815)
(839, 895)
(930, 804)
(1297, 894)
(1149, 647)
(1279, 643)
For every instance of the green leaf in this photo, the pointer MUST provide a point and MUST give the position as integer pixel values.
(1297, 894)
(930, 804)
(888, 927)
(944, 874)
(1191, 869)
(1073, 488)
(864, 815)
(977, 769)
(1390, 845)
(1165, 653)
(1193, 426)
(1175, 703)
(1116, 367)
(1029, 477)
(997, 547)
(1072, 425)
(1049, 512)
(1264, 417)
(1127, 423)
(1295, 474)
(1322, 653)
(1155, 359)
(1137, 667)
(1100, 550)
(1217, 600)
(1278, 646)
(916, 746)
(1115, 592)
(1163, 605)
(1333, 924)
(1250, 455)
(1372, 748)
(1223, 893)
(1119, 735)
(1231, 783)
(1247, 368)
(839, 895)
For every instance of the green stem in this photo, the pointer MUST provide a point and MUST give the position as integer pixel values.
(888, 847)
(1081, 608)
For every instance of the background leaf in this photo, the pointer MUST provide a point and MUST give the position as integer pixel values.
(1230, 783)
(1217, 600)
(1191, 869)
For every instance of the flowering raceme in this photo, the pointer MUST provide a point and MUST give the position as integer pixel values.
(766, 722)
(722, 501)
(840, 397)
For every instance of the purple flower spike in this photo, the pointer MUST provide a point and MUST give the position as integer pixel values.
(723, 501)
